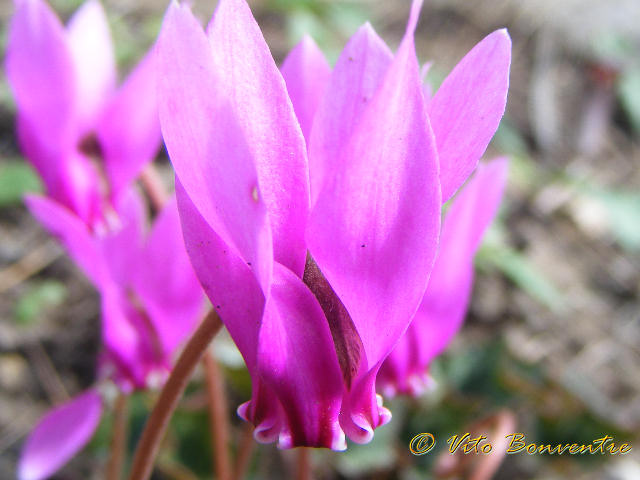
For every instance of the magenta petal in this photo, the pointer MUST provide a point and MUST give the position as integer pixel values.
(353, 83)
(121, 243)
(92, 52)
(374, 229)
(72, 232)
(249, 78)
(467, 108)
(129, 129)
(446, 300)
(59, 435)
(41, 73)
(166, 283)
(228, 281)
(207, 147)
(297, 360)
(306, 73)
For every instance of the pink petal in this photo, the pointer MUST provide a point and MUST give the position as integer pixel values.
(298, 361)
(121, 243)
(208, 149)
(166, 283)
(249, 78)
(229, 282)
(41, 74)
(306, 73)
(59, 435)
(92, 52)
(129, 129)
(374, 229)
(467, 108)
(126, 339)
(446, 300)
(353, 83)
(72, 233)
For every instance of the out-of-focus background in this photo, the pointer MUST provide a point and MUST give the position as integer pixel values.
(553, 334)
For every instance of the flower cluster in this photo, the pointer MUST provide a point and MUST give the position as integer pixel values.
(89, 141)
(309, 199)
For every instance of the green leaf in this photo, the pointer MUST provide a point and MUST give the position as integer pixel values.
(39, 298)
(16, 179)
(523, 273)
(629, 93)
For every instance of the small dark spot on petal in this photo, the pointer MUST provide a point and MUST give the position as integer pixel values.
(351, 59)
(217, 306)
(363, 245)
(249, 263)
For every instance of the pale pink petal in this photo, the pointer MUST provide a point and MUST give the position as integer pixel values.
(165, 281)
(59, 435)
(374, 229)
(354, 81)
(467, 108)
(306, 73)
(249, 78)
(72, 233)
(129, 128)
(92, 52)
(297, 360)
(208, 149)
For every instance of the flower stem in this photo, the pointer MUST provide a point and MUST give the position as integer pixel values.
(119, 437)
(157, 422)
(303, 464)
(218, 417)
(245, 449)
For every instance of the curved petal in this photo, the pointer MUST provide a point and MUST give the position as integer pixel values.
(121, 242)
(59, 435)
(129, 128)
(298, 361)
(69, 177)
(355, 78)
(132, 346)
(72, 233)
(446, 300)
(37, 50)
(92, 52)
(374, 229)
(207, 147)
(165, 281)
(228, 281)
(249, 78)
(306, 73)
(467, 108)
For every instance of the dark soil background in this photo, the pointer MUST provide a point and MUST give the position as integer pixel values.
(553, 335)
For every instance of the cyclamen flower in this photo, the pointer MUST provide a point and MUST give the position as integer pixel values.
(316, 258)
(446, 300)
(151, 301)
(86, 139)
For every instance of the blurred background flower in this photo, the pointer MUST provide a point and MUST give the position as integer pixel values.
(553, 330)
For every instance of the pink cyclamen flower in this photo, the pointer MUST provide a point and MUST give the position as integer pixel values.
(86, 139)
(446, 300)
(151, 301)
(316, 255)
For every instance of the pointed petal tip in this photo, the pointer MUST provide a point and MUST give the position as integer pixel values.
(416, 7)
